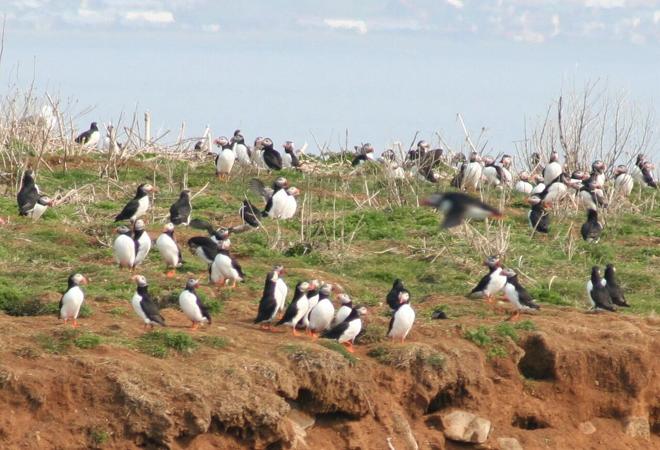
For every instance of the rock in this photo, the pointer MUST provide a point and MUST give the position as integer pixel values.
(463, 426)
(505, 443)
(637, 427)
(587, 428)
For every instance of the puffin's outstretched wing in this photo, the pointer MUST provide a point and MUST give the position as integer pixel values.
(250, 214)
(257, 186)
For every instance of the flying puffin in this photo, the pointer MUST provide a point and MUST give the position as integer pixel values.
(224, 161)
(206, 247)
(89, 138)
(538, 217)
(523, 185)
(124, 248)
(623, 181)
(225, 268)
(598, 294)
(31, 202)
(275, 197)
(403, 318)
(144, 307)
(518, 295)
(343, 311)
(169, 250)
(613, 288)
(313, 297)
(346, 331)
(271, 157)
(181, 209)
(250, 214)
(298, 307)
(393, 298)
(290, 158)
(320, 316)
(138, 205)
(492, 283)
(192, 306)
(268, 305)
(553, 170)
(142, 242)
(592, 228)
(364, 154)
(458, 207)
(72, 299)
(240, 149)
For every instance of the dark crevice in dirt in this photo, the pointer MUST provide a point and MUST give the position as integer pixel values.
(539, 361)
(529, 422)
(452, 394)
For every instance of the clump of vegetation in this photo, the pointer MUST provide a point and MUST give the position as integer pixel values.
(98, 436)
(407, 356)
(63, 340)
(87, 340)
(158, 343)
(479, 336)
(494, 339)
(372, 334)
(217, 342)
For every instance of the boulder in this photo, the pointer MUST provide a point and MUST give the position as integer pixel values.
(505, 443)
(587, 428)
(463, 426)
(637, 427)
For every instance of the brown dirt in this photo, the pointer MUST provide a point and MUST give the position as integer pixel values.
(577, 367)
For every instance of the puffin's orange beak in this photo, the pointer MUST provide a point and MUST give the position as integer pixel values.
(85, 280)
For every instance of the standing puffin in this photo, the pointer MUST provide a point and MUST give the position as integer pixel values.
(206, 247)
(169, 250)
(523, 185)
(124, 248)
(598, 294)
(89, 138)
(403, 318)
(298, 307)
(598, 168)
(365, 153)
(492, 283)
(271, 157)
(313, 296)
(72, 299)
(393, 298)
(138, 205)
(192, 306)
(321, 315)
(472, 173)
(591, 196)
(497, 174)
(623, 181)
(538, 217)
(275, 197)
(181, 210)
(225, 268)
(281, 289)
(458, 207)
(290, 158)
(552, 171)
(31, 202)
(613, 288)
(346, 331)
(224, 161)
(144, 307)
(518, 295)
(241, 150)
(592, 228)
(268, 306)
(142, 242)
(291, 204)
(648, 177)
(343, 311)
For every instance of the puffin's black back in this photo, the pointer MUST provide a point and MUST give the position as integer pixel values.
(28, 195)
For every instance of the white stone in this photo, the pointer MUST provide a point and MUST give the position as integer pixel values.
(505, 443)
(463, 426)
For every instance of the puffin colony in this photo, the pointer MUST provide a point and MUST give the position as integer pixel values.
(321, 309)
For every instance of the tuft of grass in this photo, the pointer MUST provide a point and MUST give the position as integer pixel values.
(339, 348)
(506, 329)
(526, 325)
(59, 342)
(118, 311)
(497, 351)
(478, 336)
(158, 343)
(87, 340)
(98, 436)
(218, 342)
(372, 334)
(381, 354)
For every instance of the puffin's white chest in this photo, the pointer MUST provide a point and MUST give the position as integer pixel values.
(144, 247)
(341, 315)
(71, 302)
(124, 249)
(168, 249)
(137, 307)
(524, 187)
(189, 306)
(143, 206)
(354, 328)
(279, 204)
(225, 161)
(496, 282)
(404, 317)
(281, 291)
(321, 316)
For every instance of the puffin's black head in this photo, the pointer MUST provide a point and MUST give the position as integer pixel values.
(28, 177)
(281, 182)
(474, 157)
(535, 158)
(221, 142)
(140, 280)
(609, 271)
(144, 189)
(506, 161)
(138, 225)
(76, 279)
(423, 146)
(168, 228)
(489, 161)
(185, 194)
(326, 289)
(258, 142)
(267, 143)
(554, 156)
(192, 284)
(492, 262)
(511, 276)
(598, 166)
(93, 127)
(398, 284)
(237, 133)
(288, 146)
(123, 230)
(595, 273)
(620, 169)
(302, 286)
(523, 176)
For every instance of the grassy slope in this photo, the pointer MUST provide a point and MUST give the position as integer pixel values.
(362, 248)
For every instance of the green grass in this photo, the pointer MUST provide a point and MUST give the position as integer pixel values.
(217, 342)
(61, 341)
(160, 343)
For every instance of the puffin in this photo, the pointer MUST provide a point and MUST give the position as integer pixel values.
(469, 175)
(623, 181)
(343, 311)
(31, 202)
(598, 168)
(181, 210)
(89, 138)
(124, 247)
(492, 283)
(592, 228)
(538, 217)
(540, 185)
(291, 204)
(320, 316)
(346, 331)
(169, 250)
(256, 156)
(613, 288)
(364, 154)
(192, 306)
(298, 307)
(403, 318)
(556, 190)
(591, 196)
(241, 150)
(142, 242)
(313, 294)
(553, 170)
(393, 298)
(648, 177)
(138, 205)
(275, 196)
(72, 299)
(458, 207)
(224, 161)
(392, 167)
(268, 305)
(497, 174)
(144, 307)
(281, 289)
(290, 158)
(636, 171)
(250, 214)
(225, 268)
(523, 184)
(271, 157)
(206, 247)
(598, 294)
(518, 296)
